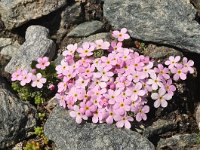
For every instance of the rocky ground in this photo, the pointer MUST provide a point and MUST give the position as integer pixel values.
(157, 29)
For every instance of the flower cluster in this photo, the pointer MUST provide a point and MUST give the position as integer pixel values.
(32, 84)
(25, 77)
(114, 87)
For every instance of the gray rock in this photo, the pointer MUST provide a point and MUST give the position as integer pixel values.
(159, 127)
(9, 49)
(17, 12)
(165, 22)
(58, 59)
(68, 135)
(17, 118)
(197, 115)
(69, 16)
(37, 44)
(104, 36)
(179, 142)
(5, 42)
(86, 29)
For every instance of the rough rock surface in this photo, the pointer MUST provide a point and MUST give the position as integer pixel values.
(160, 52)
(17, 12)
(16, 117)
(8, 47)
(86, 29)
(104, 36)
(165, 22)
(196, 4)
(37, 44)
(68, 135)
(197, 115)
(159, 127)
(179, 142)
(71, 15)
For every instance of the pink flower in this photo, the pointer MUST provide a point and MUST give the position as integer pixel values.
(38, 81)
(141, 115)
(78, 115)
(70, 102)
(100, 44)
(87, 108)
(103, 73)
(172, 61)
(77, 94)
(116, 47)
(62, 86)
(188, 64)
(86, 50)
(179, 72)
(107, 62)
(98, 116)
(82, 82)
(122, 106)
(147, 70)
(88, 72)
(135, 105)
(135, 91)
(155, 82)
(25, 77)
(70, 50)
(136, 76)
(112, 96)
(169, 87)
(43, 62)
(121, 35)
(17, 75)
(84, 62)
(62, 99)
(69, 73)
(111, 116)
(124, 121)
(51, 87)
(161, 98)
(136, 64)
(62, 68)
(162, 71)
(96, 83)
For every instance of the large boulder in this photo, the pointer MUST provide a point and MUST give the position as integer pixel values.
(37, 44)
(68, 135)
(169, 22)
(17, 118)
(17, 12)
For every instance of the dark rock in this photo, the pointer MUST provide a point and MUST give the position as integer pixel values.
(179, 142)
(37, 44)
(68, 135)
(15, 13)
(17, 118)
(69, 16)
(165, 22)
(159, 127)
(160, 52)
(86, 29)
